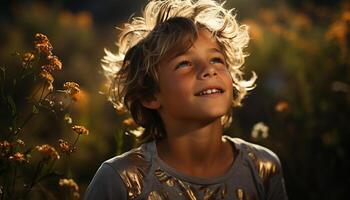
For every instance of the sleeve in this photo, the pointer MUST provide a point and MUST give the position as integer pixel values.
(276, 188)
(106, 185)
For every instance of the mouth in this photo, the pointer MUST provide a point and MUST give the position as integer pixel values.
(210, 91)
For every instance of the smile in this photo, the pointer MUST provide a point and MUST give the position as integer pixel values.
(210, 91)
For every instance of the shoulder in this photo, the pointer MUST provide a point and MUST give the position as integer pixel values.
(255, 150)
(135, 158)
(133, 167)
(265, 166)
(106, 184)
(265, 161)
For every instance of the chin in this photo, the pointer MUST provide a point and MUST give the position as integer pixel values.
(215, 114)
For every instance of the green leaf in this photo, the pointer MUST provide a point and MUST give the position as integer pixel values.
(35, 110)
(12, 105)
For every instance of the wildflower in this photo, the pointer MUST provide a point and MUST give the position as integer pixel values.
(268, 16)
(41, 38)
(129, 122)
(20, 142)
(55, 62)
(5, 147)
(84, 19)
(5, 144)
(119, 108)
(260, 130)
(53, 65)
(47, 77)
(81, 130)
(82, 97)
(68, 119)
(52, 103)
(281, 106)
(66, 19)
(301, 21)
(28, 57)
(48, 150)
(18, 157)
(254, 30)
(76, 195)
(71, 88)
(71, 185)
(338, 86)
(65, 147)
(339, 31)
(42, 44)
(346, 15)
(277, 29)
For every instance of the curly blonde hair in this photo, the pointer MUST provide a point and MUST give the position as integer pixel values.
(164, 27)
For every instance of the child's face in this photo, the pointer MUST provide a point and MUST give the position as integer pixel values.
(196, 84)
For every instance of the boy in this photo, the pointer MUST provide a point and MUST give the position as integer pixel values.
(178, 72)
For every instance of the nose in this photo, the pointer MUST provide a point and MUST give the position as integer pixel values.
(207, 71)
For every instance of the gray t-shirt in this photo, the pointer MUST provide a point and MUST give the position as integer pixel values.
(140, 174)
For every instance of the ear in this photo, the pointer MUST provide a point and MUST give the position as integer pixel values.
(151, 103)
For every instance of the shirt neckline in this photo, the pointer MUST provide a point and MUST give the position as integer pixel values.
(198, 180)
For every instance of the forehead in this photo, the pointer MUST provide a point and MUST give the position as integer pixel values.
(204, 40)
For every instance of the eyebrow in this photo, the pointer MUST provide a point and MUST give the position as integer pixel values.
(214, 50)
(210, 50)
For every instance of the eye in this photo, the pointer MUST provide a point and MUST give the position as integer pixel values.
(216, 60)
(184, 63)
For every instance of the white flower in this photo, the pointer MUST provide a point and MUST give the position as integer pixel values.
(260, 130)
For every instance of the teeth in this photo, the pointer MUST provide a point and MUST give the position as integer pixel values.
(210, 91)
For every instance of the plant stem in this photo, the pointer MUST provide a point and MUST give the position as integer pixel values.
(19, 129)
(50, 93)
(14, 180)
(36, 91)
(42, 92)
(34, 180)
(37, 172)
(76, 140)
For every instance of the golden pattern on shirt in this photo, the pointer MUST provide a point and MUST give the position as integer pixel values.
(212, 194)
(188, 191)
(134, 175)
(164, 178)
(224, 192)
(265, 167)
(154, 195)
(242, 195)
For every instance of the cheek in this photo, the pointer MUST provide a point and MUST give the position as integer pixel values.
(226, 77)
(176, 84)
(181, 89)
(174, 89)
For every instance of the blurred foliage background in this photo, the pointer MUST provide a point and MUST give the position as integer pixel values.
(299, 109)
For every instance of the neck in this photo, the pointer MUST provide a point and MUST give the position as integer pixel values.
(197, 147)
